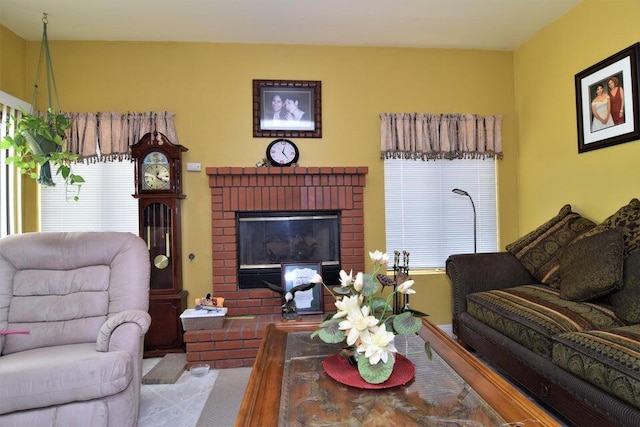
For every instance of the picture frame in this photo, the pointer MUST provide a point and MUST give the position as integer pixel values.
(287, 108)
(300, 273)
(593, 92)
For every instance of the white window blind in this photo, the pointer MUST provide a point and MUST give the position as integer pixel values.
(106, 202)
(424, 216)
(10, 182)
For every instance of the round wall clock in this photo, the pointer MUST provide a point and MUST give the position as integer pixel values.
(282, 152)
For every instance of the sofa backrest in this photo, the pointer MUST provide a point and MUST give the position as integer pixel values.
(62, 286)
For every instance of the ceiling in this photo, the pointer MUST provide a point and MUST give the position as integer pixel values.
(473, 24)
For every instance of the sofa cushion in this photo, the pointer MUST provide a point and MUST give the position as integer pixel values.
(538, 250)
(592, 267)
(626, 302)
(61, 374)
(532, 314)
(608, 359)
(628, 219)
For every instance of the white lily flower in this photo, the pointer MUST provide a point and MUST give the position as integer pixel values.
(377, 345)
(405, 287)
(346, 279)
(359, 282)
(346, 305)
(379, 257)
(357, 325)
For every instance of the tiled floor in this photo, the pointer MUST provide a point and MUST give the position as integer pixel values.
(174, 405)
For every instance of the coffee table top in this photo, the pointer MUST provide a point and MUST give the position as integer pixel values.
(288, 385)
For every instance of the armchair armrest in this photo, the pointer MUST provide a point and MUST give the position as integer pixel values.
(134, 317)
(471, 273)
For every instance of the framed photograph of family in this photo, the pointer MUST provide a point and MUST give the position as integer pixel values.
(300, 273)
(287, 108)
(607, 101)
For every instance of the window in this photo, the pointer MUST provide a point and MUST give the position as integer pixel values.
(424, 216)
(10, 182)
(106, 202)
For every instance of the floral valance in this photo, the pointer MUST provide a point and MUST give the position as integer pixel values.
(439, 136)
(107, 136)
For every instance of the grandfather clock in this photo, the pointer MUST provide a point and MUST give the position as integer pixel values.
(158, 183)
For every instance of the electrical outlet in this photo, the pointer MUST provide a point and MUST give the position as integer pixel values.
(194, 167)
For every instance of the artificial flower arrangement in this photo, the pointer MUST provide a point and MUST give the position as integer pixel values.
(367, 321)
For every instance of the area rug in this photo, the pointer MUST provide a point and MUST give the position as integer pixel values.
(222, 405)
(168, 370)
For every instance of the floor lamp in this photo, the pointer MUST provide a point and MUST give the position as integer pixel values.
(464, 193)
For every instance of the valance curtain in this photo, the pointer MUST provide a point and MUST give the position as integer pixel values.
(440, 136)
(107, 136)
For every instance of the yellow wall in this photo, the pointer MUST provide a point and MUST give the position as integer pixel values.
(550, 170)
(208, 86)
(12, 63)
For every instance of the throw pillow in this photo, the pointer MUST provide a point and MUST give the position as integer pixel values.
(626, 302)
(592, 267)
(628, 219)
(538, 250)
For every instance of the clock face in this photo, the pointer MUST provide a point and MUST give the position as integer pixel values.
(282, 152)
(155, 172)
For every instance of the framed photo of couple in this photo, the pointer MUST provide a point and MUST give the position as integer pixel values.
(607, 101)
(287, 108)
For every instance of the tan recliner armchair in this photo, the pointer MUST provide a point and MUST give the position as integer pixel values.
(84, 298)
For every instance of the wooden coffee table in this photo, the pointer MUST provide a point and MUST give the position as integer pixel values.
(288, 385)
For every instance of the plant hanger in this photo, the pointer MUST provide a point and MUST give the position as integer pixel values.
(39, 138)
(45, 53)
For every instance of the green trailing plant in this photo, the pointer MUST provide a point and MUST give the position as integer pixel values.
(38, 146)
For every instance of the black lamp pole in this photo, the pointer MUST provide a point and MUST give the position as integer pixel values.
(464, 193)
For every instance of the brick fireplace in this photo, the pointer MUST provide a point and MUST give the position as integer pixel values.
(238, 189)
(280, 189)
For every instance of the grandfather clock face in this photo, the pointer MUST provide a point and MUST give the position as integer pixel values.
(155, 172)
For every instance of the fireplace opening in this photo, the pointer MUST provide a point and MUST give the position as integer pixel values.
(268, 239)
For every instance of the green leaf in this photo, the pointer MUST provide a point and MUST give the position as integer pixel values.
(329, 331)
(342, 290)
(378, 373)
(427, 349)
(369, 285)
(406, 324)
(64, 171)
(378, 305)
(7, 142)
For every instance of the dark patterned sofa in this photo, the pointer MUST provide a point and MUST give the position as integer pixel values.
(559, 312)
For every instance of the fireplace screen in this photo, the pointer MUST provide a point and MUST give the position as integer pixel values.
(266, 240)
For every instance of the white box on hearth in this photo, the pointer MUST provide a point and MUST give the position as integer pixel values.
(194, 320)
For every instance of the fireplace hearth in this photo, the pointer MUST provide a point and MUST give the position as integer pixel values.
(301, 191)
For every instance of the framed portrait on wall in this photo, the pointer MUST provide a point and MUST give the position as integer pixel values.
(287, 108)
(607, 101)
(300, 273)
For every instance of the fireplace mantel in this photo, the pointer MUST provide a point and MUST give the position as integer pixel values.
(251, 189)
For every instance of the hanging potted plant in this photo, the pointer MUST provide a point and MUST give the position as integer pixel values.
(38, 142)
(38, 146)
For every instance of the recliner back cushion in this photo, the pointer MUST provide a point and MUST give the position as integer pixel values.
(63, 286)
(57, 307)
